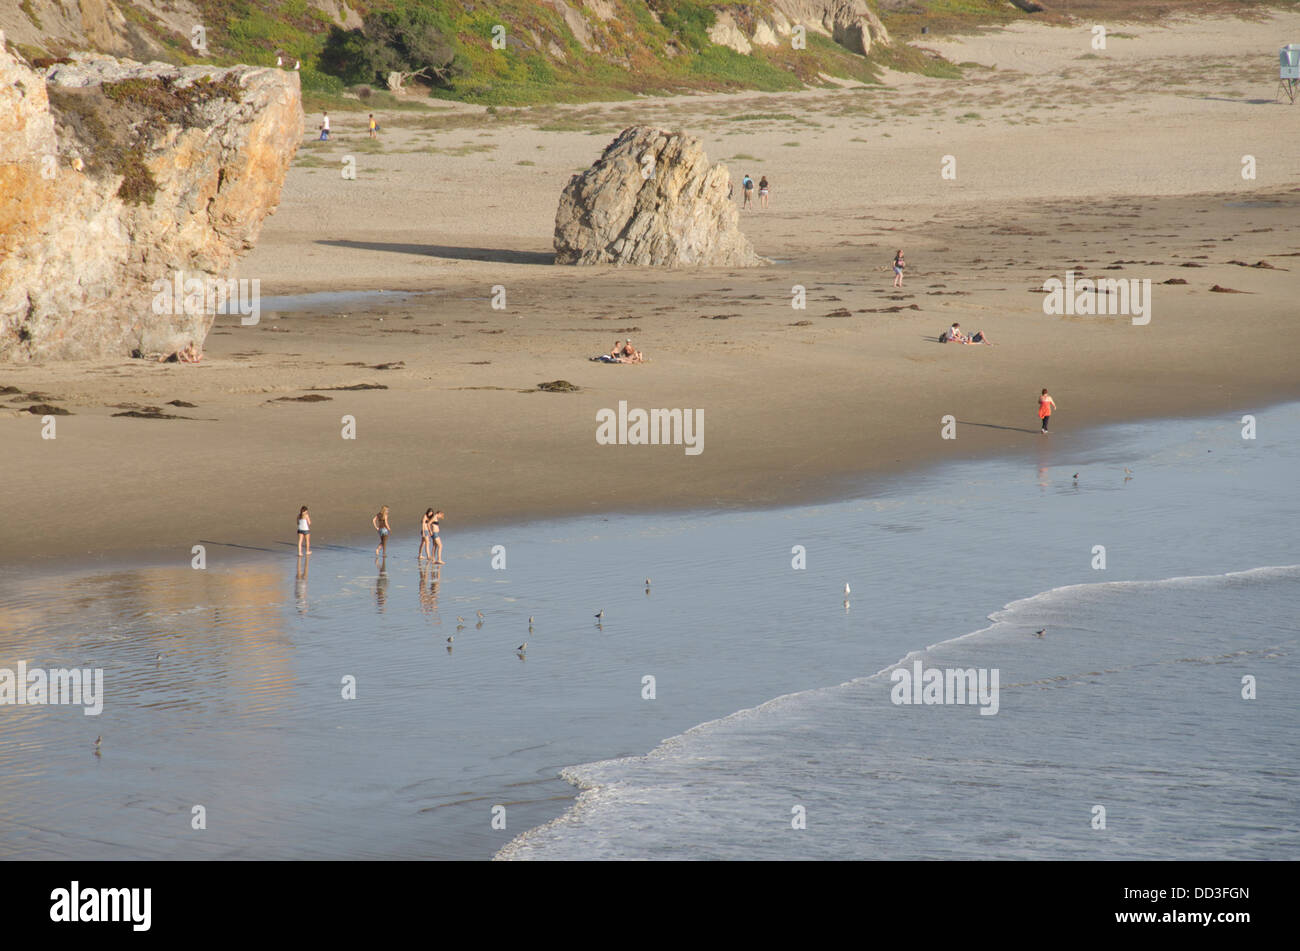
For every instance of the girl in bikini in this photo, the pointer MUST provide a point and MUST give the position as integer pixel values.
(380, 521)
(425, 532)
(436, 537)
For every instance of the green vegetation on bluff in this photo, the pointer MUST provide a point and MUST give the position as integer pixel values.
(521, 52)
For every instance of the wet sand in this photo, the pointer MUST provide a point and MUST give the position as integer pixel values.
(1116, 166)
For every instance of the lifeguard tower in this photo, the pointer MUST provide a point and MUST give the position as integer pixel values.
(1289, 81)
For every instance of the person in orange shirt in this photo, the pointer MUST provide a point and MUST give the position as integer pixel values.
(1045, 406)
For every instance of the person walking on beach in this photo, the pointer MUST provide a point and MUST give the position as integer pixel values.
(747, 190)
(374, 127)
(304, 530)
(425, 532)
(435, 537)
(762, 191)
(1045, 406)
(325, 128)
(899, 264)
(380, 521)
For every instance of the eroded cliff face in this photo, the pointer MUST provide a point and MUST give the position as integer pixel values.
(653, 200)
(852, 24)
(115, 176)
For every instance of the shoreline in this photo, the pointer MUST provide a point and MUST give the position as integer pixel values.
(1087, 169)
(829, 489)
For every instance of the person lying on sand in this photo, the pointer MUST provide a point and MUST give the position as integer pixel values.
(978, 337)
(187, 354)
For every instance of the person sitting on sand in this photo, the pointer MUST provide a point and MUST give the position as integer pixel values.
(955, 335)
(187, 354)
(626, 353)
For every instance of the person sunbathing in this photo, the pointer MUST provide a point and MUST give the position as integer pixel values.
(626, 353)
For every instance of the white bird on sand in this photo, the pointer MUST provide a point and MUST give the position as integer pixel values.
(846, 587)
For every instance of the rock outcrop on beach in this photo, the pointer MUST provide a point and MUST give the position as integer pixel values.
(115, 175)
(651, 199)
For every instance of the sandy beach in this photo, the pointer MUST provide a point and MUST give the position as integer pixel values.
(1124, 163)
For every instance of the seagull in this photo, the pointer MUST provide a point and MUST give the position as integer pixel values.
(600, 614)
(846, 587)
(1040, 632)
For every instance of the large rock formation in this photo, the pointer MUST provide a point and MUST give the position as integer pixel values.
(115, 175)
(651, 199)
(850, 23)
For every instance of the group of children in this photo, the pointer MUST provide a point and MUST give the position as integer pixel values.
(430, 534)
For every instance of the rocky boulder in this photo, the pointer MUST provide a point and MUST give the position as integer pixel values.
(118, 177)
(652, 199)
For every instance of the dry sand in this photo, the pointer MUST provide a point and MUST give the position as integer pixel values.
(1065, 158)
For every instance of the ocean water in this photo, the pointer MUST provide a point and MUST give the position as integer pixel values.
(1131, 701)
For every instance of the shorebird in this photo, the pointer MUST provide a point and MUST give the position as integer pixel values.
(600, 615)
(647, 582)
(480, 615)
(530, 620)
(846, 588)
(1076, 476)
(1040, 632)
(522, 647)
(450, 639)
(98, 740)
(459, 618)
(158, 658)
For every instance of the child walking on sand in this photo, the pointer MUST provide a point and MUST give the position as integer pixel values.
(304, 530)
(380, 521)
(1045, 406)
(435, 537)
(899, 264)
